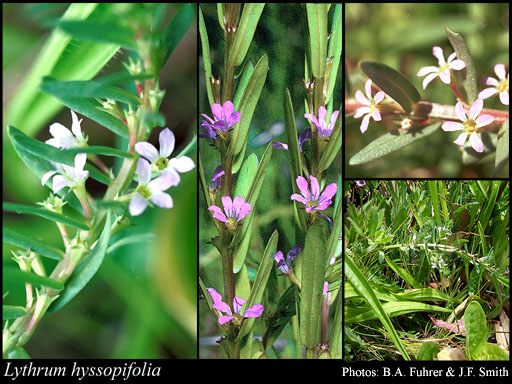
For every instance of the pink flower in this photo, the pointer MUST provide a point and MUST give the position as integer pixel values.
(499, 85)
(234, 210)
(224, 117)
(255, 311)
(285, 265)
(470, 124)
(443, 71)
(371, 109)
(314, 201)
(324, 131)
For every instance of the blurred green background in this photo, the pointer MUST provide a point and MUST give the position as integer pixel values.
(281, 34)
(402, 35)
(142, 302)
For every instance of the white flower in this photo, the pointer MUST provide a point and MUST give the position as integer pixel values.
(66, 176)
(150, 190)
(499, 85)
(443, 71)
(64, 138)
(371, 109)
(159, 159)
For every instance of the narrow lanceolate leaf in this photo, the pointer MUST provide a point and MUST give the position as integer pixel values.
(86, 270)
(248, 104)
(314, 262)
(502, 147)
(490, 352)
(99, 150)
(205, 46)
(293, 152)
(87, 89)
(43, 212)
(176, 29)
(18, 353)
(360, 283)
(389, 143)
(12, 312)
(101, 32)
(334, 50)
(393, 83)
(90, 109)
(241, 82)
(246, 176)
(252, 195)
(460, 47)
(27, 242)
(476, 327)
(260, 282)
(317, 25)
(392, 309)
(50, 153)
(333, 146)
(17, 276)
(245, 32)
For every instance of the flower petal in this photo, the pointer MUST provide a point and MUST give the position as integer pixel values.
(59, 182)
(461, 140)
(362, 98)
(303, 186)
(379, 97)
(426, 70)
(445, 76)
(428, 79)
(504, 97)
(475, 109)
(255, 311)
(452, 126)
(484, 120)
(167, 142)
(47, 176)
(368, 89)
(364, 123)
(182, 164)
(216, 296)
(361, 111)
(137, 205)
(163, 200)
(459, 111)
(487, 92)
(499, 70)
(315, 188)
(476, 142)
(438, 53)
(225, 319)
(75, 125)
(227, 203)
(218, 214)
(298, 198)
(143, 171)
(329, 192)
(147, 150)
(457, 65)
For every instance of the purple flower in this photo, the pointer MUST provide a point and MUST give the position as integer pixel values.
(443, 71)
(499, 85)
(224, 117)
(370, 109)
(215, 183)
(234, 210)
(150, 190)
(255, 311)
(470, 124)
(313, 200)
(302, 138)
(159, 160)
(286, 265)
(323, 131)
(361, 183)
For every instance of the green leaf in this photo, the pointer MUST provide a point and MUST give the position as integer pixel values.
(242, 248)
(361, 284)
(87, 89)
(131, 239)
(392, 309)
(334, 50)
(90, 109)
(393, 83)
(13, 312)
(317, 26)
(17, 276)
(402, 273)
(246, 176)
(471, 81)
(314, 262)
(205, 46)
(294, 153)
(428, 351)
(176, 29)
(502, 147)
(333, 146)
(47, 214)
(281, 317)
(260, 282)
(101, 32)
(86, 270)
(18, 353)
(99, 150)
(391, 142)
(248, 104)
(490, 352)
(50, 153)
(245, 32)
(241, 82)
(27, 242)
(476, 328)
